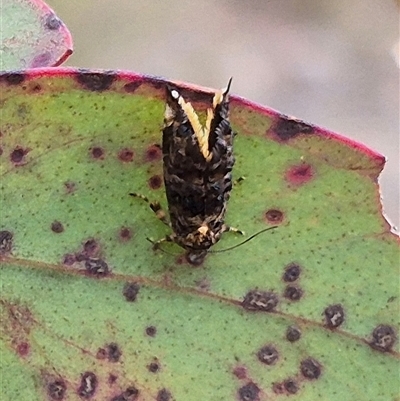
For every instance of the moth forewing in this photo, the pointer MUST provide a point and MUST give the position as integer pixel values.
(198, 161)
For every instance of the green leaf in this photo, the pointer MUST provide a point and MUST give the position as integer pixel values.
(32, 36)
(150, 326)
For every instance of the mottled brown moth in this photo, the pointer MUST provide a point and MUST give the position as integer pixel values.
(198, 162)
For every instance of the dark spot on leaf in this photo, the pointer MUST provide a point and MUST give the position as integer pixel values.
(163, 395)
(310, 368)
(130, 394)
(299, 174)
(256, 300)
(291, 386)
(153, 153)
(113, 352)
(95, 81)
(69, 186)
(291, 273)
(17, 156)
(125, 155)
(155, 182)
(96, 267)
(287, 128)
(268, 355)
(151, 331)
(1, 150)
(334, 316)
(57, 227)
(154, 367)
(69, 259)
(274, 216)
(41, 60)
(278, 388)
(293, 334)
(12, 78)
(112, 378)
(88, 385)
(249, 392)
(125, 234)
(6, 242)
(383, 338)
(91, 248)
(131, 291)
(293, 293)
(52, 22)
(97, 152)
(23, 349)
(56, 389)
(132, 86)
(240, 372)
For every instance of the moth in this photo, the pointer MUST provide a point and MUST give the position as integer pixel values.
(197, 163)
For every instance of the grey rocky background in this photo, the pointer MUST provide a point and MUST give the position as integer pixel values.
(332, 63)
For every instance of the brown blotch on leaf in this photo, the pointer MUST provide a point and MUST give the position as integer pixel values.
(293, 334)
(17, 156)
(97, 152)
(56, 389)
(293, 293)
(334, 316)
(95, 81)
(125, 234)
(256, 300)
(155, 182)
(240, 372)
(6, 242)
(299, 174)
(12, 78)
(69, 259)
(274, 216)
(151, 331)
(96, 267)
(52, 22)
(291, 273)
(287, 128)
(249, 392)
(130, 394)
(153, 153)
(383, 338)
(154, 367)
(23, 349)
(163, 395)
(310, 368)
(57, 227)
(113, 352)
(131, 291)
(1, 150)
(112, 378)
(91, 248)
(268, 355)
(291, 386)
(88, 385)
(126, 155)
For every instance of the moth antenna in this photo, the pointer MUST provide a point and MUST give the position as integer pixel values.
(228, 87)
(243, 242)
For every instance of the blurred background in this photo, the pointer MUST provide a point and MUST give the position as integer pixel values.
(332, 63)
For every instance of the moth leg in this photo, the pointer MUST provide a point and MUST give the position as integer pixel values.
(154, 206)
(226, 228)
(167, 238)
